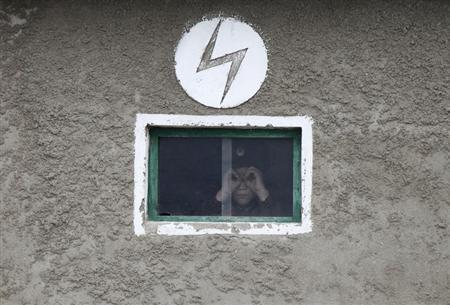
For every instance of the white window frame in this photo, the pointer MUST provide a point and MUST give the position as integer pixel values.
(141, 147)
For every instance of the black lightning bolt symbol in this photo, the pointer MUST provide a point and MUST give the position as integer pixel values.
(235, 58)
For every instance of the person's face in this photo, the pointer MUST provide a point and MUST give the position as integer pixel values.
(241, 182)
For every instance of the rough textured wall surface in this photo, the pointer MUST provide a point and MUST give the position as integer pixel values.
(373, 75)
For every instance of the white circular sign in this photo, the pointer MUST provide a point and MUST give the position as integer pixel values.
(221, 62)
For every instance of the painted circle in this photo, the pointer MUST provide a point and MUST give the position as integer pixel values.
(208, 85)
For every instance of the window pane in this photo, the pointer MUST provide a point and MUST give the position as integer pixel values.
(213, 176)
(260, 183)
(189, 176)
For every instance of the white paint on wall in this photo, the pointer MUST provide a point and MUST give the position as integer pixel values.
(146, 121)
(14, 20)
(253, 228)
(209, 85)
(141, 146)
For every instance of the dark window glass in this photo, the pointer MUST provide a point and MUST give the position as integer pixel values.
(189, 173)
(216, 176)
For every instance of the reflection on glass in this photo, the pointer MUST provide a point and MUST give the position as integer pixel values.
(225, 176)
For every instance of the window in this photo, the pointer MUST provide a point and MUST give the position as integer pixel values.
(193, 173)
(224, 175)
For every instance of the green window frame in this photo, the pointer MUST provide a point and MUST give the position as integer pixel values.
(152, 197)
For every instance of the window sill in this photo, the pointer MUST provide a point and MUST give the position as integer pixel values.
(227, 228)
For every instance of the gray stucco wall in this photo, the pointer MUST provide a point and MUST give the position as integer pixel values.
(373, 75)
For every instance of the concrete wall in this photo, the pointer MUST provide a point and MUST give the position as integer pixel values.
(374, 75)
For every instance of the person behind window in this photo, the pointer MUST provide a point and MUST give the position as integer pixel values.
(249, 195)
(244, 184)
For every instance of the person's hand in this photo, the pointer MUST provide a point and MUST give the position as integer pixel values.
(255, 182)
(230, 182)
